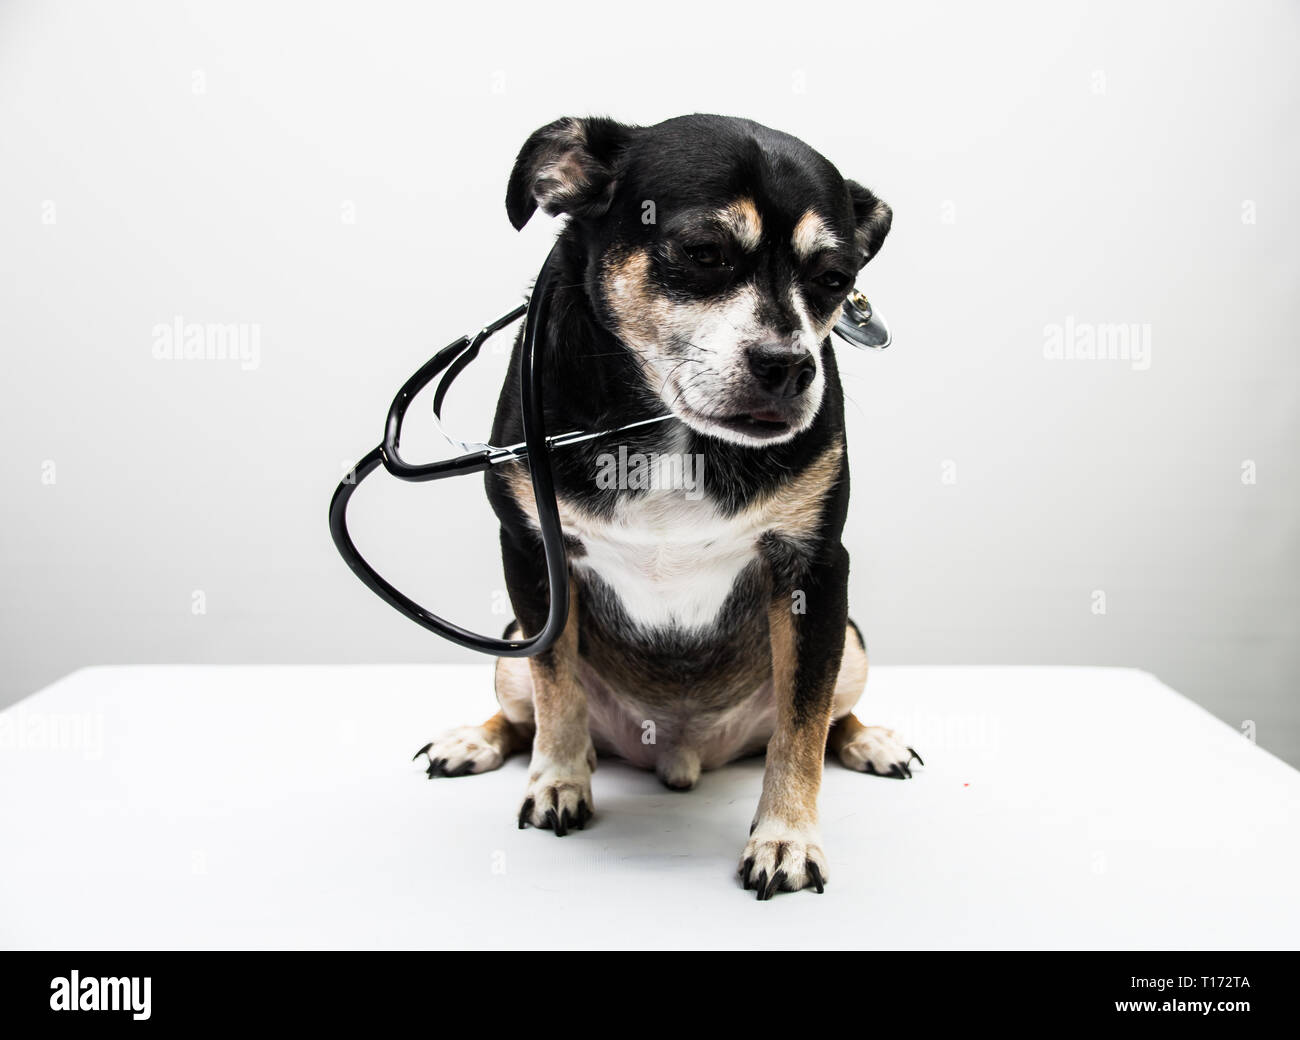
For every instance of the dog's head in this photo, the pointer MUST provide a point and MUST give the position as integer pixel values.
(718, 251)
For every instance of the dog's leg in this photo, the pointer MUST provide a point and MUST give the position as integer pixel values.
(784, 850)
(872, 749)
(865, 749)
(558, 795)
(469, 750)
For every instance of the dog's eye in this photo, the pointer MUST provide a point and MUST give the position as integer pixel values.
(705, 254)
(833, 280)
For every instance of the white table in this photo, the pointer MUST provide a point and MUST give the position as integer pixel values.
(249, 807)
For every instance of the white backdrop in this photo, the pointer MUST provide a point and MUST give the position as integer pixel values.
(329, 178)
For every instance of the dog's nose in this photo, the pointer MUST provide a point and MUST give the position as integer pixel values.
(782, 370)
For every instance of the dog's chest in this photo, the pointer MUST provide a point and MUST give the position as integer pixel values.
(671, 560)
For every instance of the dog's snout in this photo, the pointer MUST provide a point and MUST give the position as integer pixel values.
(782, 370)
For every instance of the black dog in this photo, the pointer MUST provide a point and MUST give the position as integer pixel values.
(703, 265)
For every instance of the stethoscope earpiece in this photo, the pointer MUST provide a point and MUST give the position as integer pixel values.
(861, 325)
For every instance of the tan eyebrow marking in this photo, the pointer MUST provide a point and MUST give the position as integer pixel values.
(742, 220)
(811, 235)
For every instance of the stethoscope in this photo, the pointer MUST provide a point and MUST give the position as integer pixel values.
(859, 325)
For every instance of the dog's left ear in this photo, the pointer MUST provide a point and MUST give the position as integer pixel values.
(569, 166)
(873, 218)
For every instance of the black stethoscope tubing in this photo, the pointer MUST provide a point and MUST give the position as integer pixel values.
(454, 358)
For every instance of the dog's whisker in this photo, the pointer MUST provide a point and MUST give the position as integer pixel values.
(690, 382)
(853, 401)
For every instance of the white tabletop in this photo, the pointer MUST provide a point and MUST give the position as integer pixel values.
(250, 807)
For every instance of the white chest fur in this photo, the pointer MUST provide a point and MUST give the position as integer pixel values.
(670, 556)
(672, 561)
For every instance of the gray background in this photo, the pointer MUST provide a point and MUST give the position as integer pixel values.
(333, 175)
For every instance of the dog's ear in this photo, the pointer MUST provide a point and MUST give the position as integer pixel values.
(569, 166)
(873, 218)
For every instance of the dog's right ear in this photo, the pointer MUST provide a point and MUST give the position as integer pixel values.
(569, 166)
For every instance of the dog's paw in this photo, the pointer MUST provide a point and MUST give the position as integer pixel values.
(463, 751)
(783, 858)
(558, 797)
(881, 752)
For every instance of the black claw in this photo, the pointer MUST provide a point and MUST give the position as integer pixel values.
(914, 755)
(566, 821)
(464, 769)
(760, 884)
(870, 767)
(746, 868)
(896, 772)
(774, 886)
(584, 814)
(525, 812)
(424, 750)
(815, 872)
(553, 823)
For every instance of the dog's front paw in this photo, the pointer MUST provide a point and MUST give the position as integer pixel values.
(780, 857)
(879, 751)
(558, 796)
(463, 751)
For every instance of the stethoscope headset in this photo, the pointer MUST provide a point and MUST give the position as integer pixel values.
(859, 325)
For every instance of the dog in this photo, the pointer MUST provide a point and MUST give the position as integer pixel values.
(702, 266)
